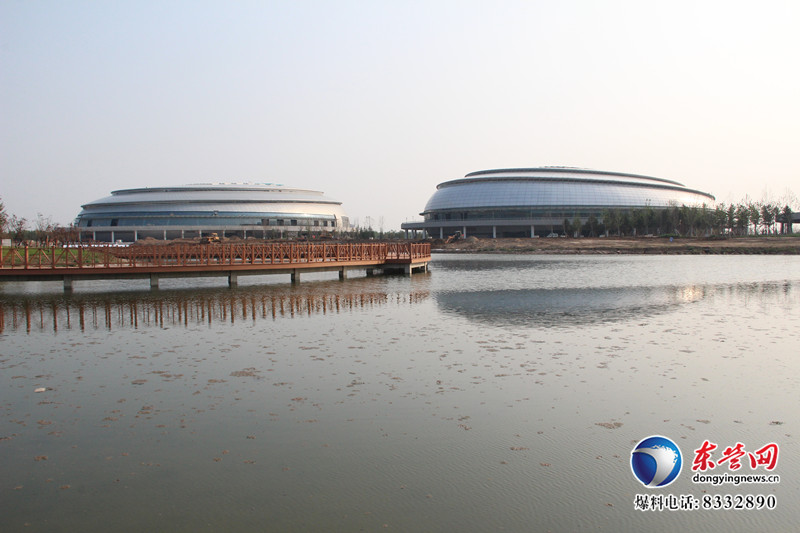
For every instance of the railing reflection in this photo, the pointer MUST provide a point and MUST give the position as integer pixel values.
(55, 312)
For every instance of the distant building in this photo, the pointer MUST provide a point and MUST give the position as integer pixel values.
(529, 202)
(260, 210)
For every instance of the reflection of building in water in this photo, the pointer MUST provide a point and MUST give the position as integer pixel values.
(583, 306)
(56, 313)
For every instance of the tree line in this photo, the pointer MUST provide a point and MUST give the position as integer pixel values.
(44, 231)
(736, 219)
(733, 220)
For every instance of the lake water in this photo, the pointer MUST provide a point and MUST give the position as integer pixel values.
(495, 393)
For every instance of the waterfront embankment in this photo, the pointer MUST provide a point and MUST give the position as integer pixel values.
(783, 245)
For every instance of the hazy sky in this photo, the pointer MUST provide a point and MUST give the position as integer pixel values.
(376, 102)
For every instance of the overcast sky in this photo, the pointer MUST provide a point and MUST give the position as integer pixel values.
(375, 102)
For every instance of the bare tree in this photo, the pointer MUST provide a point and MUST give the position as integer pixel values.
(3, 218)
(786, 219)
(17, 228)
(755, 217)
(766, 217)
(65, 235)
(44, 229)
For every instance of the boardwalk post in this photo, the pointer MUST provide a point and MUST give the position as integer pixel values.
(233, 279)
(343, 273)
(67, 283)
(296, 276)
(153, 281)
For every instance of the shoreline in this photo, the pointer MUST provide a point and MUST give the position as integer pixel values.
(769, 245)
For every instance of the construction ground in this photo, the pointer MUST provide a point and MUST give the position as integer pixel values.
(786, 244)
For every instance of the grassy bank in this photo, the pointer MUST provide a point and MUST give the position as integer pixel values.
(15, 256)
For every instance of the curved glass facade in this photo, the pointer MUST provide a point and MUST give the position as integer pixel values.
(244, 210)
(537, 194)
(514, 201)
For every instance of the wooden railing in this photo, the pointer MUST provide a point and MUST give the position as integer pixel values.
(208, 255)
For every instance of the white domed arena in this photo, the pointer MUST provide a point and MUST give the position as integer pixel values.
(244, 210)
(534, 202)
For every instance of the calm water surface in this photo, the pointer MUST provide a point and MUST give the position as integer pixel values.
(497, 393)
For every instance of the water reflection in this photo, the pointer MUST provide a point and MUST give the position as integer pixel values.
(576, 306)
(56, 312)
(402, 403)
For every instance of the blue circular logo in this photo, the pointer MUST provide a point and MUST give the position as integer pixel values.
(656, 461)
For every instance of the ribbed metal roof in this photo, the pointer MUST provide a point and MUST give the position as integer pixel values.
(566, 173)
(211, 194)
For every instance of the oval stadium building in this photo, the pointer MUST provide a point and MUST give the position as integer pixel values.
(260, 210)
(528, 202)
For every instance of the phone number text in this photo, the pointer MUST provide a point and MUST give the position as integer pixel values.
(708, 502)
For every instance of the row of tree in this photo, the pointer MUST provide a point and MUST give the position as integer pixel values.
(745, 218)
(44, 232)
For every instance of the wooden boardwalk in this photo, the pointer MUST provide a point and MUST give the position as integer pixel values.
(201, 260)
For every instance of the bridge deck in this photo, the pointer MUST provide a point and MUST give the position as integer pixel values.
(182, 260)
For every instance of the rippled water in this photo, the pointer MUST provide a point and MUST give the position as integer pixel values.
(495, 393)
